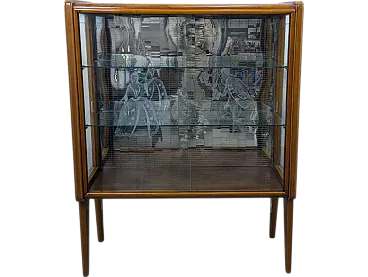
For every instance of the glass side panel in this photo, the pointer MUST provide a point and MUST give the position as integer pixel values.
(281, 96)
(86, 90)
(184, 102)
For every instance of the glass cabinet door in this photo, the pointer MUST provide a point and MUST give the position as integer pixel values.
(183, 102)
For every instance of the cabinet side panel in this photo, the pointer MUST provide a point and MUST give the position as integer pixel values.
(289, 105)
(295, 98)
(82, 128)
(74, 100)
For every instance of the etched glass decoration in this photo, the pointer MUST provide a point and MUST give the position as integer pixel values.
(180, 93)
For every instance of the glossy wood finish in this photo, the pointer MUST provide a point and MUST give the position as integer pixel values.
(99, 219)
(82, 192)
(184, 9)
(186, 2)
(292, 123)
(74, 101)
(84, 229)
(289, 93)
(288, 232)
(240, 8)
(273, 216)
(81, 110)
(297, 59)
(179, 194)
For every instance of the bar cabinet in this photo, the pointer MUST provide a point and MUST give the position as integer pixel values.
(184, 101)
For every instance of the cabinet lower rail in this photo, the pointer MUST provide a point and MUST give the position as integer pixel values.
(178, 194)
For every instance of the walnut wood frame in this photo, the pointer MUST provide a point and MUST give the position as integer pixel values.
(289, 175)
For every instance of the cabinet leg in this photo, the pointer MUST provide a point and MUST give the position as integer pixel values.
(84, 228)
(273, 216)
(288, 229)
(99, 219)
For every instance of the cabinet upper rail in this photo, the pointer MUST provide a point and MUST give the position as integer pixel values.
(190, 8)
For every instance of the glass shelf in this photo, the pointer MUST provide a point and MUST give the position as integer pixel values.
(255, 114)
(131, 61)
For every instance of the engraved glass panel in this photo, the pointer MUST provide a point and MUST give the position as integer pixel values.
(185, 102)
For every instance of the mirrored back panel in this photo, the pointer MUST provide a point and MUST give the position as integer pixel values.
(185, 102)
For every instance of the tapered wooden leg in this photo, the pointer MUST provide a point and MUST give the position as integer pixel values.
(273, 216)
(84, 228)
(288, 228)
(99, 219)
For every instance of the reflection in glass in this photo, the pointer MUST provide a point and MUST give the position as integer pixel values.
(183, 85)
(186, 70)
